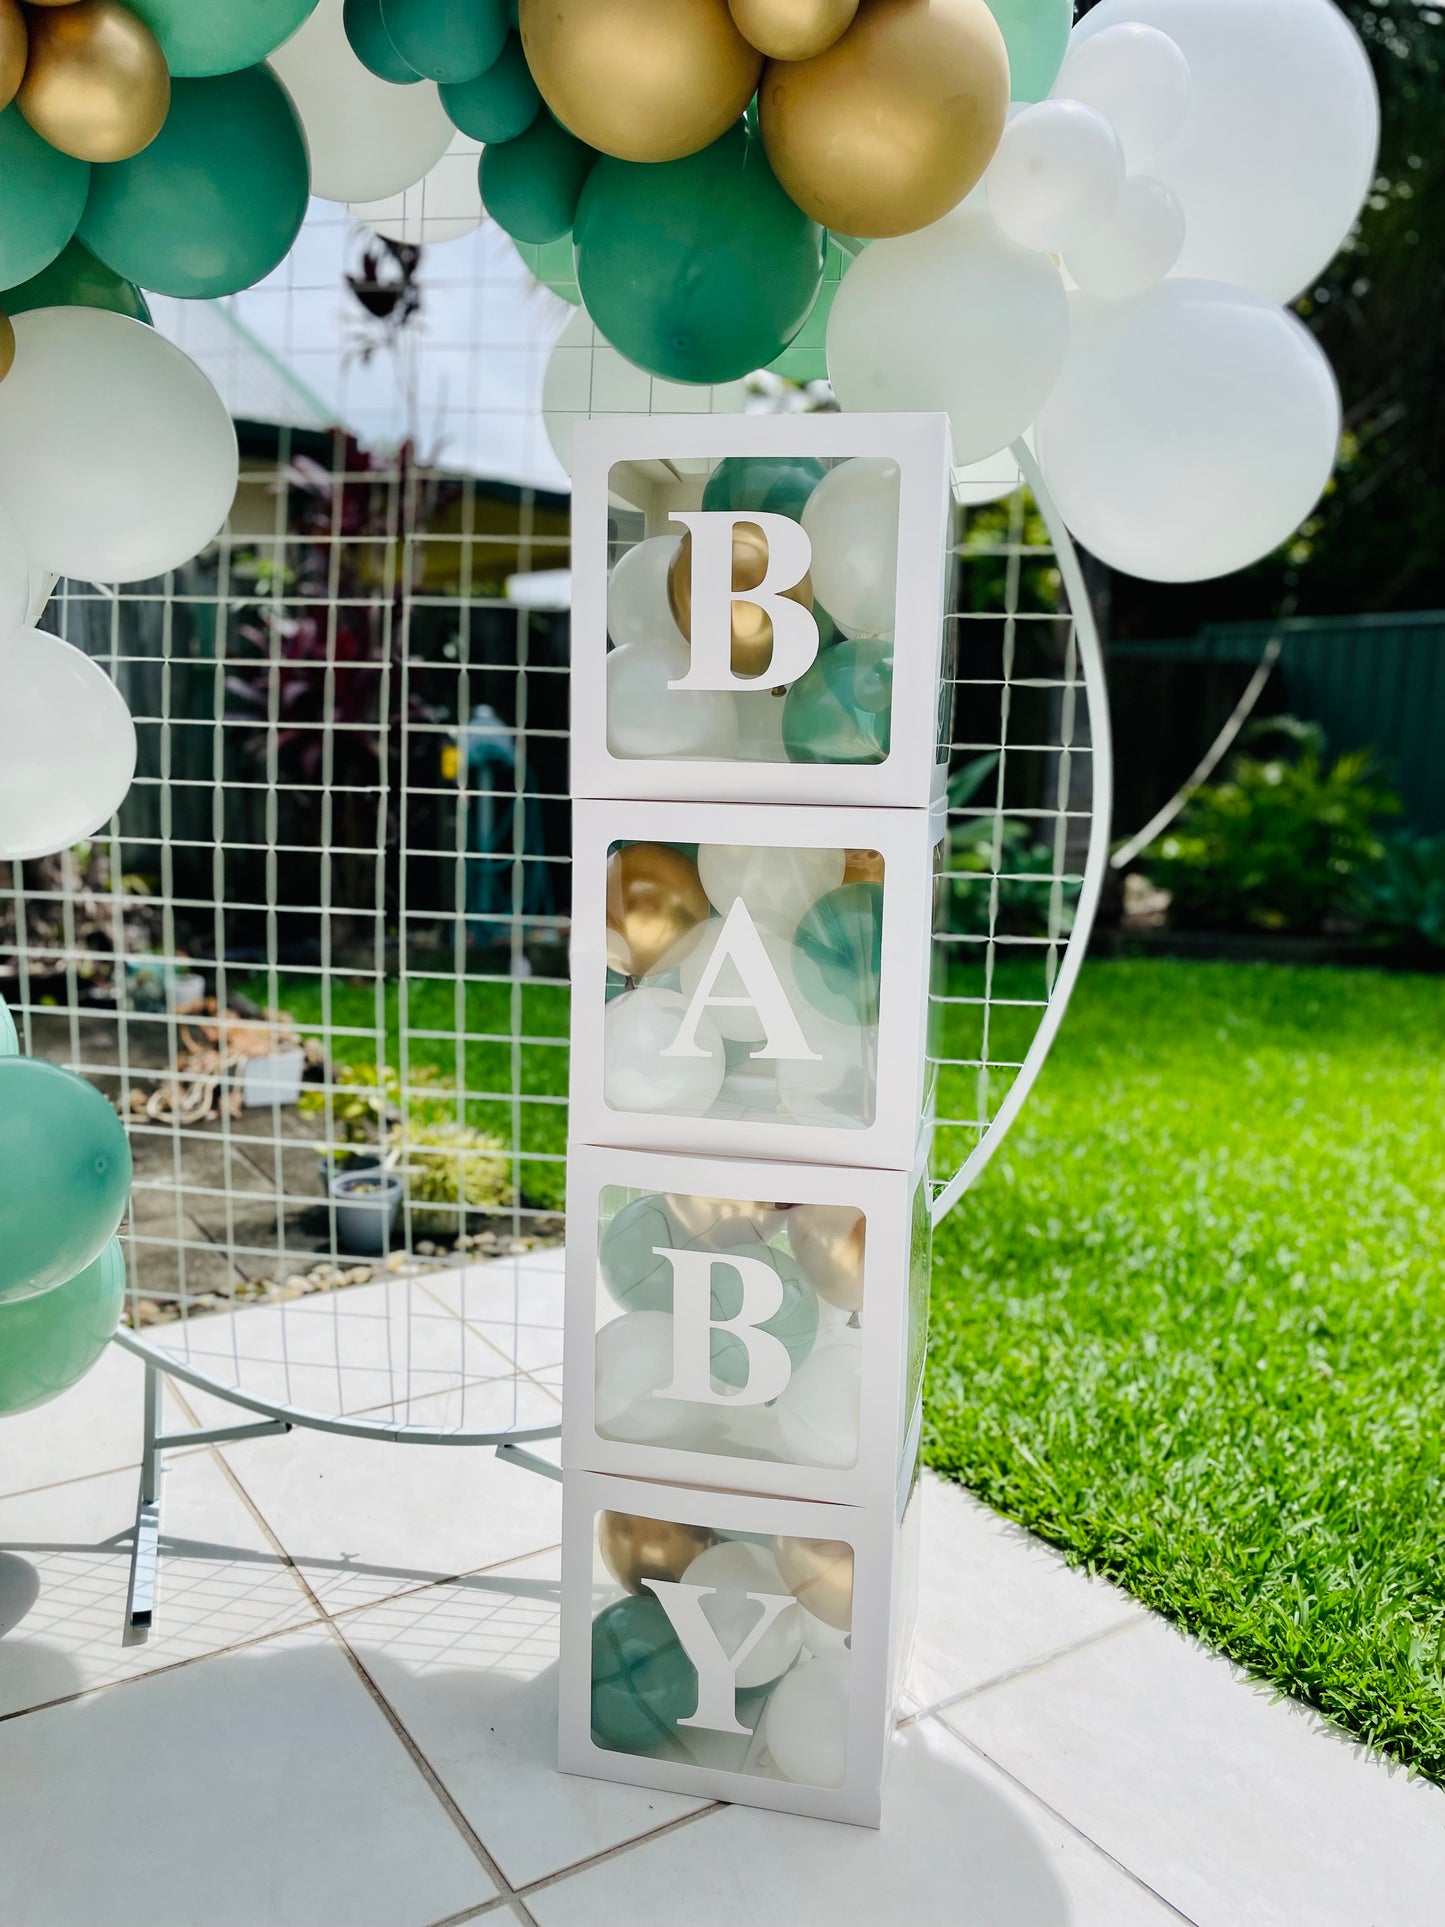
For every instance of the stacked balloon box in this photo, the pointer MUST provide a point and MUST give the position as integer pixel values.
(757, 830)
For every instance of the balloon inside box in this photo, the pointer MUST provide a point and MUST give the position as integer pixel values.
(732, 1647)
(758, 608)
(767, 1321)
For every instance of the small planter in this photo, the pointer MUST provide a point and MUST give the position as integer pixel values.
(272, 1080)
(366, 1206)
(345, 1161)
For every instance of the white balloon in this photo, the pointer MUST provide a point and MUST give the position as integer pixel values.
(67, 746)
(736, 1569)
(778, 885)
(820, 1639)
(1137, 78)
(805, 1727)
(15, 586)
(818, 1408)
(851, 519)
(955, 316)
(737, 1023)
(760, 726)
(587, 377)
(367, 138)
(632, 1358)
(637, 1027)
(1277, 151)
(647, 718)
(977, 484)
(442, 206)
(1055, 175)
(839, 1086)
(118, 460)
(1135, 248)
(1191, 432)
(637, 605)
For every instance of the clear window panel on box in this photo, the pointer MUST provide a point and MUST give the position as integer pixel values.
(731, 1326)
(722, 1649)
(744, 982)
(801, 673)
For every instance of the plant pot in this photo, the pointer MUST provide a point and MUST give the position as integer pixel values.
(345, 1161)
(366, 1204)
(272, 1080)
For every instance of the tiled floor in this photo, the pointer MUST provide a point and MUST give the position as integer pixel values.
(344, 1714)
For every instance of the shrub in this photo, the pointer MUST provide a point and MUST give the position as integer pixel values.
(451, 1169)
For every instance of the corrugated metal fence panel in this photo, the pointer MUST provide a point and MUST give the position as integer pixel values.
(1370, 681)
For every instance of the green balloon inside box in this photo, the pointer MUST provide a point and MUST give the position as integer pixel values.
(840, 710)
(838, 953)
(643, 1682)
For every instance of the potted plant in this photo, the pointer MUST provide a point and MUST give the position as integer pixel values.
(366, 1204)
(362, 1101)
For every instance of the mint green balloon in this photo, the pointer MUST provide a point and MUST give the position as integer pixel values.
(42, 196)
(1036, 33)
(201, 37)
(643, 1683)
(838, 953)
(371, 43)
(50, 1341)
(697, 270)
(64, 1176)
(777, 484)
(841, 709)
(554, 264)
(499, 104)
(215, 201)
(531, 185)
(75, 279)
(447, 40)
(9, 1038)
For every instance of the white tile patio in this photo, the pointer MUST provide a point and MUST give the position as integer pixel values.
(344, 1711)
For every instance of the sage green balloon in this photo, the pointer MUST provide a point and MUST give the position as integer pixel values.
(700, 269)
(554, 264)
(49, 1342)
(840, 710)
(499, 104)
(777, 484)
(75, 279)
(838, 953)
(643, 1683)
(447, 40)
(42, 197)
(215, 201)
(1036, 33)
(64, 1176)
(9, 1038)
(200, 37)
(372, 44)
(530, 186)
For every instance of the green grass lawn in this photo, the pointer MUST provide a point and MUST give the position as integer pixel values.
(1189, 1325)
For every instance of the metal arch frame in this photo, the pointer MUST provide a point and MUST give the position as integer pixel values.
(1096, 862)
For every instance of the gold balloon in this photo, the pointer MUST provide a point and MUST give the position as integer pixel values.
(819, 1575)
(97, 85)
(14, 46)
(892, 126)
(655, 898)
(7, 344)
(862, 866)
(792, 29)
(726, 1222)
(644, 80)
(635, 1549)
(752, 648)
(828, 1242)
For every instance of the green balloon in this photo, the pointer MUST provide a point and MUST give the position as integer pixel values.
(217, 198)
(777, 484)
(530, 186)
(838, 953)
(75, 279)
(1036, 33)
(447, 40)
(371, 43)
(64, 1176)
(643, 1683)
(50, 1341)
(554, 264)
(499, 104)
(42, 196)
(200, 37)
(641, 1281)
(9, 1038)
(697, 270)
(840, 710)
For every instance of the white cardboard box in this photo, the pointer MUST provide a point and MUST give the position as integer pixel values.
(631, 476)
(847, 1358)
(813, 1735)
(804, 1074)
